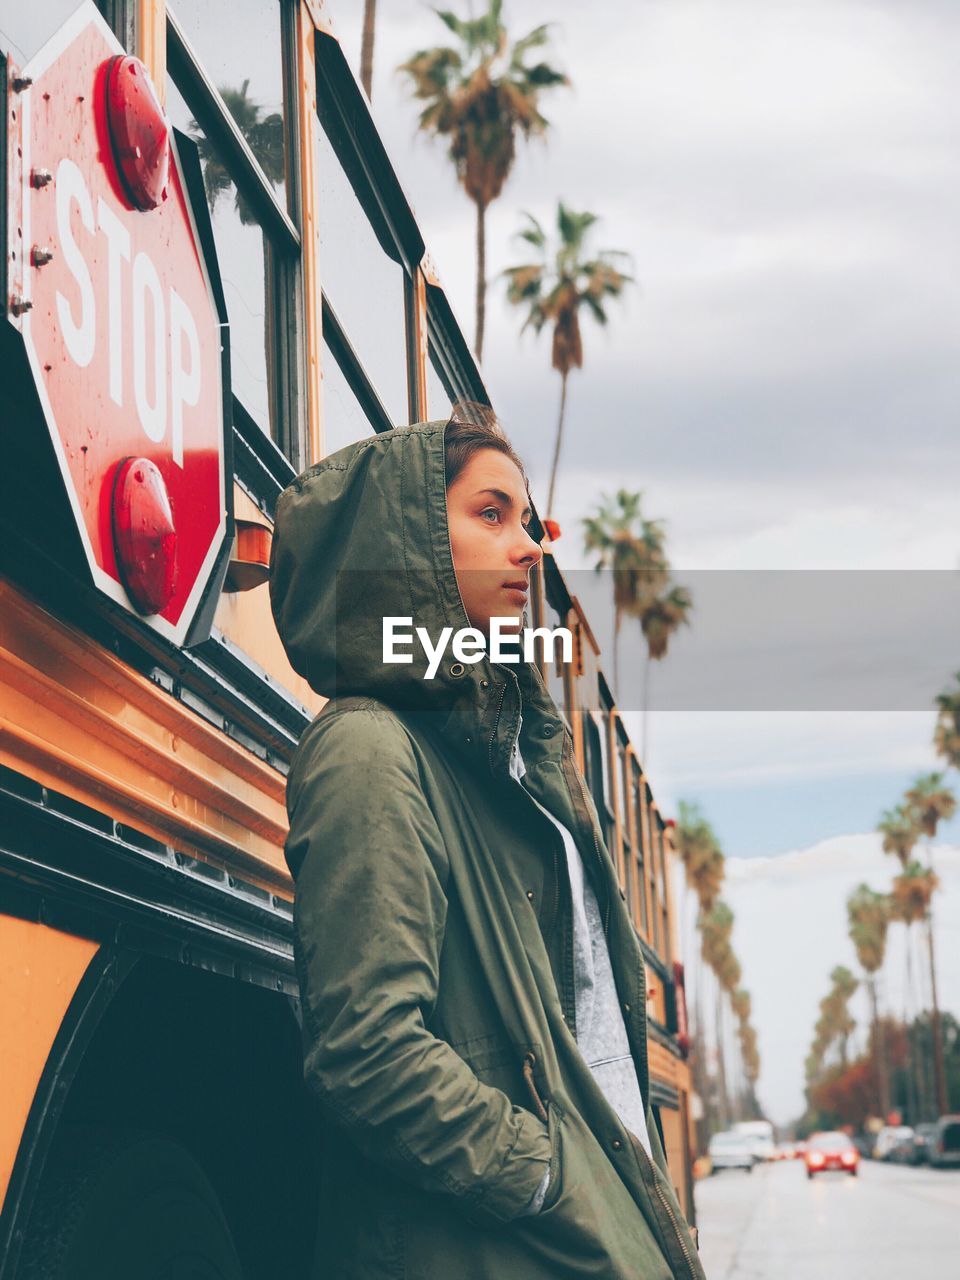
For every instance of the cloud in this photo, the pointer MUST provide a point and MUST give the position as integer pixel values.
(784, 176)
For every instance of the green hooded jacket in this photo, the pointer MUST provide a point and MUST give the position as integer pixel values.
(433, 922)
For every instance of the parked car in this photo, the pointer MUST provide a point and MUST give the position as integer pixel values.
(945, 1143)
(915, 1149)
(731, 1151)
(832, 1150)
(888, 1138)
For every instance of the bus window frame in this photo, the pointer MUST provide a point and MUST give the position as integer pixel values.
(653, 820)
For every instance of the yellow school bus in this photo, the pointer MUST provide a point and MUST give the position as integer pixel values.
(151, 1068)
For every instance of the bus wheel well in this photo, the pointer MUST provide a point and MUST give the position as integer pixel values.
(215, 1065)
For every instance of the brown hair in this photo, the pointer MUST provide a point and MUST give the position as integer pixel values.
(473, 427)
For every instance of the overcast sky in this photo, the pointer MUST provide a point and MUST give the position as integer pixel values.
(783, 382)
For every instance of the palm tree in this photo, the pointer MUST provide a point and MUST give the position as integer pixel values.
(716, 928)
(911, 895)
(480, 94)
(658, 621)
(632, 547)
(869, 916)
(946, 736)
(900, 834)
(366, 47)
(554, 288)
(899, 831)
(742, 1004)
(728, 974)
(703, 865)
(931, 802)
(835, 1024)
(696, 843)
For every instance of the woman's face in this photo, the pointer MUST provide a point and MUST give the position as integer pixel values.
(488, 514)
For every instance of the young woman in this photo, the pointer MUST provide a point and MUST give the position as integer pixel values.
(472, 987)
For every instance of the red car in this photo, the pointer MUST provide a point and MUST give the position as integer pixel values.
(831, 1151)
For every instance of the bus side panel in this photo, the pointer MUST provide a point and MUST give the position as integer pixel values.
(40, 970)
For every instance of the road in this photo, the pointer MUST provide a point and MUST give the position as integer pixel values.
(774, 1224)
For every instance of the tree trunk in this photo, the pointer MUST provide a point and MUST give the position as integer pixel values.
(721, 1063)
(366, 47)
(559, 441)
(646, 692)
(482, 279)
(879, 1057)
(699, 1038)
(913, 1056)
(939, 1075)
(940, 1079)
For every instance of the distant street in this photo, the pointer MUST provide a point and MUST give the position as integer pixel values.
(773, 1224)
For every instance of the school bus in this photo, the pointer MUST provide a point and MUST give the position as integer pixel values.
(152, 1094)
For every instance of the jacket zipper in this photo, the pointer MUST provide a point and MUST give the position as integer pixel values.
(496, 722)
(676, 1226)
(638, 1146)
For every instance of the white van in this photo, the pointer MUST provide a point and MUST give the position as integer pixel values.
(760, 1135)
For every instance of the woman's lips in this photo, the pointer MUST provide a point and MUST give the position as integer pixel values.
(517, 591)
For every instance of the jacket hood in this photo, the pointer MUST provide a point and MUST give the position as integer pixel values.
(361, 536)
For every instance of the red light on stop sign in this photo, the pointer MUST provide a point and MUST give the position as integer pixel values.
(139, 132)
(144, 536)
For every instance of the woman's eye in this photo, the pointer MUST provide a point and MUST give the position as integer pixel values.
(490, 511)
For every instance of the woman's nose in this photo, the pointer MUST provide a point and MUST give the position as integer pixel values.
(528, 551)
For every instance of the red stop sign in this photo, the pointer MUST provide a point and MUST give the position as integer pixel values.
(120, 323)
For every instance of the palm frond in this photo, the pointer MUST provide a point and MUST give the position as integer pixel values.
(534, 39)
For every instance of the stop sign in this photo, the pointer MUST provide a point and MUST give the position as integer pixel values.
(120, 323)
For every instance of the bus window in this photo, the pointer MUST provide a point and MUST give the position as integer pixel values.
(343, 418)
(362, 283)
(662, 885)
(241, 48)
(596, 759)
(235, 113)
(629, 834)
(654, 847)
(245, 256)
(440, 399)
